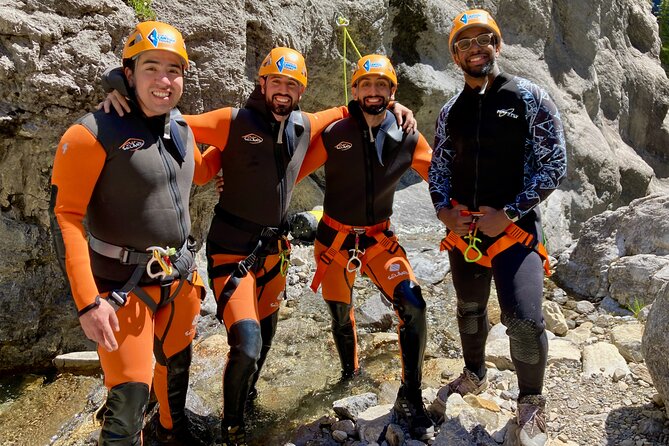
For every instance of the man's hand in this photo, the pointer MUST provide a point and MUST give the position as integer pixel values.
(454, 219)
(405, 118)
(99, 325)
(493, 222)
(218, 179)
(116, 100)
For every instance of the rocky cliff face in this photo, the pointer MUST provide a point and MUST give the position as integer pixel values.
(600, 64)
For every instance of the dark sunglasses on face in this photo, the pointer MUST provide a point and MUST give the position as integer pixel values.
(481, 40)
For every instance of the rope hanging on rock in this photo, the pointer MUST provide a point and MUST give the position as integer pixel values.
(342, 22)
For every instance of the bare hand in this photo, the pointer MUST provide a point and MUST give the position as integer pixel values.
(218, 179)
(116, 100)
(405, 118)
(454, 220)
(493, 222)
(99, 325)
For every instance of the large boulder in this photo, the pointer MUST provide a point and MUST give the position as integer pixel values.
(654, 344)
(622, 254)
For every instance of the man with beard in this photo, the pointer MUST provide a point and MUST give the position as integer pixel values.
(260, 148)
(499, 151)
(365, 155)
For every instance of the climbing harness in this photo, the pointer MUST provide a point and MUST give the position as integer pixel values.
(359, 258)
(342, 22)
(512, 234)
(172, 263)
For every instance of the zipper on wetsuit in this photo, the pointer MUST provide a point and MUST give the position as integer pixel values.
(280, 175)
(475, 200)
(173, 186)
(369, 175)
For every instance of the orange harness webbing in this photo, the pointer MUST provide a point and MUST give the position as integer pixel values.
(334, 253)
(513, 234)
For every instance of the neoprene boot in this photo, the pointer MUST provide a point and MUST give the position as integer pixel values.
(267, 331)
(124, 415)
(343, 332)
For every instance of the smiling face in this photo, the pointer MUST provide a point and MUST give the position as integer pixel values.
(373, 93)
(282, 94)
(477, 62)
(158, 81)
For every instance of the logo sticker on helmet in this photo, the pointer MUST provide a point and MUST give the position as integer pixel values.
(132, 144)
(156, 38)
(369, 65)
(252, 138)
(282, 64)
(343, 146)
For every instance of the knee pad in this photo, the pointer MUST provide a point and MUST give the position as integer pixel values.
(124, 414)
(408, 300)
(525, 339)
(472, 318)
(245, 340)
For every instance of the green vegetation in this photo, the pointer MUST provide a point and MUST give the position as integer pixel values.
(143, 9)
(635, 307)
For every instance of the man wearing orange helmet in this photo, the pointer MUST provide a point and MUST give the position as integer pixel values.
(131, 269)
(260, 148)
(365, 155)
(499, 151)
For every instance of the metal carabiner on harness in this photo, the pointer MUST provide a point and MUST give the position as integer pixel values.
(472, 239)
(161, 256)
(354, 261)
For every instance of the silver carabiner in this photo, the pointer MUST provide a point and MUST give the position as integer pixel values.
(354, 260)
(161, 256)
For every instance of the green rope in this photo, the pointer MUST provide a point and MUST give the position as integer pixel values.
(343, 22)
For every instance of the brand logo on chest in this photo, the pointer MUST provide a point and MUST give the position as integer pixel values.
(252, 138)
(343, 146)
(132, 144)
(509, 112)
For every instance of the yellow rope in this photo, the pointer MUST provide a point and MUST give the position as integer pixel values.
(343, 22)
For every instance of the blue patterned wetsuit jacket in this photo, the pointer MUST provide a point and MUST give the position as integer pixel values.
(502, 148)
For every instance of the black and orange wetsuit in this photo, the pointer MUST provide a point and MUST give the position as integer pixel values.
(362, 169)
(132, 186)
(504, 149)
(260, 159)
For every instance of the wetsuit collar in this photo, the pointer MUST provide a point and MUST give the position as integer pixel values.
(387, 129)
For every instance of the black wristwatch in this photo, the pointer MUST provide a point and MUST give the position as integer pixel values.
(511, 213)
(89, 307)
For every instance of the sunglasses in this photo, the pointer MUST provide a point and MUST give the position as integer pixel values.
(481, 40)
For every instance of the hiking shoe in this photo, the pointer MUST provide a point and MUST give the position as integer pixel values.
(411, 413)
(233, 435)
(466, 383)
(532, 421)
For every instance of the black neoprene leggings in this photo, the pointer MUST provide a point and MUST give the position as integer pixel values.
(518, 274)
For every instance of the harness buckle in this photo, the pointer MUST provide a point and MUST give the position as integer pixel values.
(117, 299)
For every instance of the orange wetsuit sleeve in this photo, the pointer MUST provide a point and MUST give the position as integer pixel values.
(422, 156)
(316, 153)
(77, 165)
(213, 129)
(315, 157)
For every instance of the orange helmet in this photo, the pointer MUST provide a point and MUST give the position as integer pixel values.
(470, 19)
(374, 64)
(155, 36)
(287, 62)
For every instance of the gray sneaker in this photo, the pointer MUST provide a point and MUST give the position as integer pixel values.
(466, 383)
(532, 421)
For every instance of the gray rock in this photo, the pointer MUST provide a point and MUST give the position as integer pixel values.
(555, 320)
(375, 314)
(627, 339)
(373, 421)
(654, 344)
(350, 407)
(602, 358)
(78, 363)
